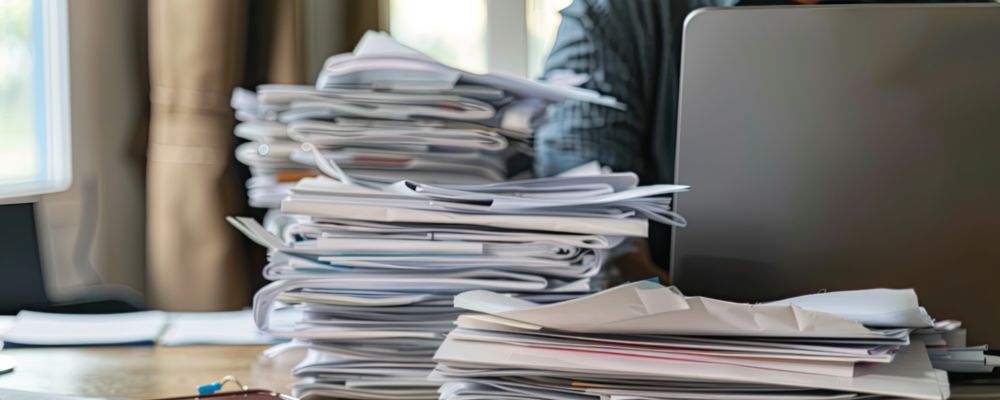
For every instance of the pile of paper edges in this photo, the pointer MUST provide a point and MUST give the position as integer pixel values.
(374, 267)
(373, 259)
(646, 341)
(386, 111)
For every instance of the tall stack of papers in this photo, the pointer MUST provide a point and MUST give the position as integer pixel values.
(267, 152)
(413, 205)
(374, 266)
(949, 350)
(388, 112)
(646, 341)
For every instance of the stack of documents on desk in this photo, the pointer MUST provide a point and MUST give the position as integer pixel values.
(949, 350)
(388, 112)
(646, 341)
(380, 62)
(374, 266)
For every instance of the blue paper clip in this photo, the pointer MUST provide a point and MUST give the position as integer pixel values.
(211, 388)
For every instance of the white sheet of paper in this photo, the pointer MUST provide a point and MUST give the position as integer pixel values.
(649, 308)
(215, 328)
(330, 134)
(380, 60)
(12, 394)
(666, 347)
(320, 227)
(552, 203)
(47, 329)
(897, 308)
(909, 375)
(584, 225)
(489, 323)
(809, 365)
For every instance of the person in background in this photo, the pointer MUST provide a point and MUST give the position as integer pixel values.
(630, 50)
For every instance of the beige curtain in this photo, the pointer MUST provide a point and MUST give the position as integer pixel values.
(199, 50)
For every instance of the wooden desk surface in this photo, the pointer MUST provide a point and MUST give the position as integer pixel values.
(154, 372)
(143, 372)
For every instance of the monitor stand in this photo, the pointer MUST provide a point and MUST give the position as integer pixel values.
(22, 283)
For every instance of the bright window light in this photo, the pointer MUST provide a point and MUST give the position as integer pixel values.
(543, 22)
(34, 98)
(451, 31)
(508, 36)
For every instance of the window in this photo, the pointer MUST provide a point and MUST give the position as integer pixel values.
(452, 31)
(34, 98)
(505, 36)
(543, 22)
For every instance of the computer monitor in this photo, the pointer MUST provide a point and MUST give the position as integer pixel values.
(34, 142)
(843, 147)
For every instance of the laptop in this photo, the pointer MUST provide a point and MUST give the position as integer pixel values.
(842, 147)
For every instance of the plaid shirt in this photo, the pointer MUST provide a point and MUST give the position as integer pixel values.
(631, 50)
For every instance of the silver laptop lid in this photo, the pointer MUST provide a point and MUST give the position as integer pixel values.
(841, 147)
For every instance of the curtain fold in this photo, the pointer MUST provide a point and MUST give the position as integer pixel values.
(198, 52)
